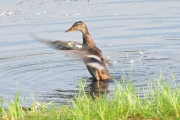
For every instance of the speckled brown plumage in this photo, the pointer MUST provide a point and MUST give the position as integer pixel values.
(88, 51)
(88, 44)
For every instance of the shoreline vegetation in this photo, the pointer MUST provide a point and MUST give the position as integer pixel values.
(160, 100)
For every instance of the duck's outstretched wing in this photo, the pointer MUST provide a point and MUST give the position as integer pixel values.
(76, 49)
(58, 44)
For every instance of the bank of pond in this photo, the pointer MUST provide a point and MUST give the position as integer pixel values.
(160, 100)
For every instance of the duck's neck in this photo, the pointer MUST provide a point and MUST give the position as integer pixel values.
(87, 40)
(84, 31)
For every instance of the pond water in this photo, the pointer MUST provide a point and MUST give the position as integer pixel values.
(118, 27)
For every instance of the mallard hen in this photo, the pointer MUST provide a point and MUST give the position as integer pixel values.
(88, 51)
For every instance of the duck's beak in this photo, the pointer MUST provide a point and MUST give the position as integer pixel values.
(70, 30)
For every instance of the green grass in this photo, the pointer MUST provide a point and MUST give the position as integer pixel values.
(159, 101)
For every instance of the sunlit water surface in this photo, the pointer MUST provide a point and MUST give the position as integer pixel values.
(119, 28)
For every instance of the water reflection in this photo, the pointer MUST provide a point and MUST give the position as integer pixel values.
(93, 88)
(97, 88)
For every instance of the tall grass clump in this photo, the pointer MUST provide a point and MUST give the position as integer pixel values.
(15, 109)
(158, 100)
(2, 112)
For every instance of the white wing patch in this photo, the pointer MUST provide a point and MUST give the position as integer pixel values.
(95, 65)
(95, 57)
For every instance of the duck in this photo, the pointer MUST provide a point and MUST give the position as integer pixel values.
(88, 51)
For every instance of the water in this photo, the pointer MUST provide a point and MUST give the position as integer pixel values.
(118, 28)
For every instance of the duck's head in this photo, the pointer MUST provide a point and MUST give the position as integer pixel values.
(78, 26)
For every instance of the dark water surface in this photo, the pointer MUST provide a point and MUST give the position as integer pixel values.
(118, 28)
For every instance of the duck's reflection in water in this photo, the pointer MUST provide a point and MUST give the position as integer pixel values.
(92, 87)
(97, 88)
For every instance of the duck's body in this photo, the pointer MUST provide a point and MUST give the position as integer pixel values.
(88, 44)
(88, 51)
